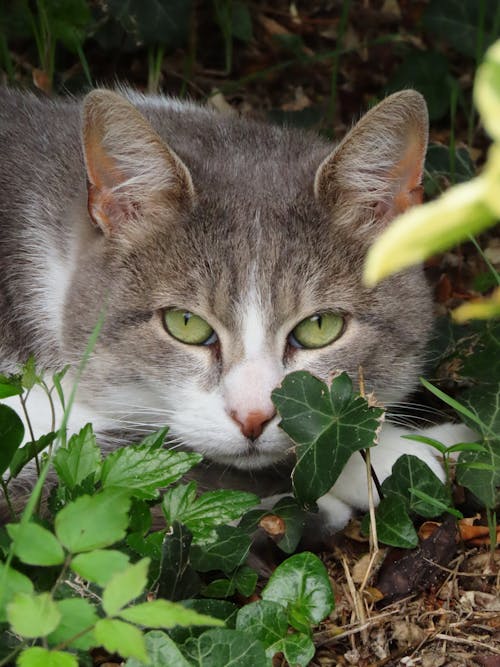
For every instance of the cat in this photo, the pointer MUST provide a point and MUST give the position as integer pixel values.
(227, 253)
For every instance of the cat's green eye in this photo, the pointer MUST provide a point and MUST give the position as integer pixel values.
(317, 330)
(188, 327)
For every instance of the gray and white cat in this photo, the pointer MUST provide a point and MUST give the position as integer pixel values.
(228, 253)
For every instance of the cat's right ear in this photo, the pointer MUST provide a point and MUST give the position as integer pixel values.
(132, 174)
(375, 172)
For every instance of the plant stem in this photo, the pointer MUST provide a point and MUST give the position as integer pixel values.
(7, 499)
(30, 427)
(490, 266)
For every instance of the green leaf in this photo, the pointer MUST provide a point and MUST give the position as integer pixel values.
(241, 21)
(394, 526)
(245, 580)
(36, 656)
(165, 614)
(10, 385)
(486, 91)
(144, 469)
(162, 652)
(265, 620)
(202, 514)
(35, 545)
(222, 609)
(484, 483)
(29, 375)
(147, 545)
(230, 648)
(154, 21)
(11, 435)
(298, 649)
(122, 638)
(100, 565)
(409, 473)
(125, 586)
(327, 425)
(301, 584)
(93, 522)
(77, 616)
(11, 582)
(29, 451)
(226, 551)
(177, 579)
(79, 459)
(32, 615)
(457, 22)
(295, 520)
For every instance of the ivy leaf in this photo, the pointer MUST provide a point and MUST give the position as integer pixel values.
(100, 565)
(294, 517)
(177, 579)
(36, 656)
(328, 426)
(11, 582)
(125, 586)
(35, 545)
(25, 454)
(78, 617)
(162, 652)
(230, 648)
(394, 526)
(222, 609)
(119, 637)
(243, 580)
(265, 620)
(165, 614)
(302, 586)
(32, 615)
(226, 551)
(79, 459)
(298, 649)
(410, 473)
(480, 472)
(11, 435)
(144, 469)
(93, 522)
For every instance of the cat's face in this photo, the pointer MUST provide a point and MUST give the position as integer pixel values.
(213, 297)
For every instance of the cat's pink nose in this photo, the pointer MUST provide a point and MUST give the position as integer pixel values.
(252, 423)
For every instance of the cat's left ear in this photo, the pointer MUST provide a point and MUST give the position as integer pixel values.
(132, 174)
(376, 170)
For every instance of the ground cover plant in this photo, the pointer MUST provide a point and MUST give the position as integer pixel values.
(93, 573)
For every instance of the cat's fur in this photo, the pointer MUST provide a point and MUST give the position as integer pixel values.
(151, 203)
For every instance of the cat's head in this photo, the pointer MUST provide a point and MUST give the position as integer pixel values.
(228, 254)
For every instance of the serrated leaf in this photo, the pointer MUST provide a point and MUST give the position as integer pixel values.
(79, 459)
(122, 638)
(409, 473)
(25, 454)
(165, 614)
(77, 616)
(35, 545)
(11, 435)
(32, 615)
(211, 509)
(298, 649)
(227, 550)
(302, 586)
(100, 565)
(328, 425)
(125, 586)
(144, 469)
(394, 526)
(265, 620)
(162, 652)
(11, 582)
(93, 522)
(177, 579)
(230, 648)
(36, 656)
